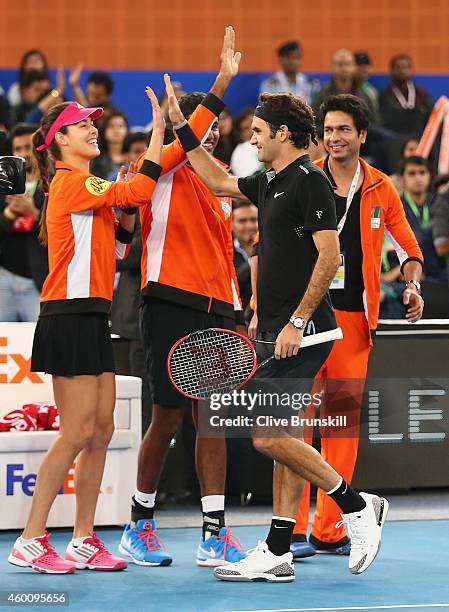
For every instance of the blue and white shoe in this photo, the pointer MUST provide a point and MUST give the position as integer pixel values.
(302, 550)
(142, 544)
(219, 550)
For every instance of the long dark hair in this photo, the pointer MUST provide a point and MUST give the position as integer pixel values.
(24, 60)
(45, 157)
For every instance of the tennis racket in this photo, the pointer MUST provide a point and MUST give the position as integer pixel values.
(219, 360)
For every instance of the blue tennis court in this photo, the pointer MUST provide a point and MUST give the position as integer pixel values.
(411, 572)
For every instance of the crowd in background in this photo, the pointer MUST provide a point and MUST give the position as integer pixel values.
(399, 114)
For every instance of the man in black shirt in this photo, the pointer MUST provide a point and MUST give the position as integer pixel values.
(298, 258)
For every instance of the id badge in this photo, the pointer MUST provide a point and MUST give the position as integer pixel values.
(375, 218)
(338, 281)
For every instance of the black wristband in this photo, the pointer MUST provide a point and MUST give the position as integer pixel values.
(420, 261)
(123, 235)
(187, 138)
(214, 104)
(129, 211)
(150, 169)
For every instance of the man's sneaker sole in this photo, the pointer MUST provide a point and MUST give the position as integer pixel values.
(382, 518)
(162, 563)
(21, 563)
(255, 578)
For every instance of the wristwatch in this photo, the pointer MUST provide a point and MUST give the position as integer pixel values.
(55, 93)
(298, 322)
(416, 284)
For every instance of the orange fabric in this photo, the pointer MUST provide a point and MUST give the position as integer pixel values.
(187, 231)
(379, 191)
(81, 231)
(347, 360)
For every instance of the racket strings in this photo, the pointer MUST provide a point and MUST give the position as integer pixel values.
(211, 362)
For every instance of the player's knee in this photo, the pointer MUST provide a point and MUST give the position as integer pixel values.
(79, 437)
(263, 445)
(102, 435)
(167, 422)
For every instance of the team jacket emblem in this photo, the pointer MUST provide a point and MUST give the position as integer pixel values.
(96, 186)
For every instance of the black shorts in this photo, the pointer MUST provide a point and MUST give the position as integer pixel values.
(286, 377)
(73, 345)
(162, 323)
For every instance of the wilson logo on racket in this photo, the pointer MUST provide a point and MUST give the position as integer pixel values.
(218, 360)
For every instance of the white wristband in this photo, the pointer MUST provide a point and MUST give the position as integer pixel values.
(178, 126)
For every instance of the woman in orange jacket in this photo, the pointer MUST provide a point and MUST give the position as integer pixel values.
(72, 340)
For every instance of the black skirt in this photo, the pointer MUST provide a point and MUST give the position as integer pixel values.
(73, 345)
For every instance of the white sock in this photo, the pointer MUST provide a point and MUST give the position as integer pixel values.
(145, 499)
(24, 541)
(336, 487)
(213, 503)
(78, 541)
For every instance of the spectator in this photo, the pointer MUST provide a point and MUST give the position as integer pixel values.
(404, 107)
(244, 230)
(289, 79)
(408, 150)
(244, 161)
(440, 228)
(5, 113)
(134, 144)
(113, 134)
(33, 59)
(417, 201)
(229, 137)
(99, 90)
(362, 74)
(343, 81)
(23, 261)
(37, 96)
(33, 86)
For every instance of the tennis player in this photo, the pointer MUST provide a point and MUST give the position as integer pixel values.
(298, 258)
(72, 340)
(188, 283)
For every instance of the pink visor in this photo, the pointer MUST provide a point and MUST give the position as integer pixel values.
(73, 113)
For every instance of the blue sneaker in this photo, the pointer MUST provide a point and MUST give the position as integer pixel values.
(301, 550)
(142, 544)
(219, 550)
(345, 549)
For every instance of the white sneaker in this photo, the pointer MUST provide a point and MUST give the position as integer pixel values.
(259, 566)
(365, 529)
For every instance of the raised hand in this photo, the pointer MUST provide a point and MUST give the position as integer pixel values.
(158, 118)
(174, 111)
(229, 58)
(60, 80)
(75, 75)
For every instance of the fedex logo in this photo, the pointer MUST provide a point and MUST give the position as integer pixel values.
(23, 366)
(15, 478)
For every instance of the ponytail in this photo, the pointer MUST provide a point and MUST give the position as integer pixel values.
(44, 160)
(41, 158)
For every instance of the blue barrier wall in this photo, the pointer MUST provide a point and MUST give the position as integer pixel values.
(130, 96)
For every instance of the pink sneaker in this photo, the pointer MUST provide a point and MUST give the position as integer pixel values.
(39, 554)
(92, 554)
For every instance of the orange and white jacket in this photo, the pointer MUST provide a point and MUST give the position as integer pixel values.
(187, 241)
(82, 241)
(381, 211)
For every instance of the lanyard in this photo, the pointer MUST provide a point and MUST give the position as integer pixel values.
(424, 220)
(349, 199)
(409, 102)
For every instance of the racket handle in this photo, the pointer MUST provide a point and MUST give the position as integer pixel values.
(321, 337)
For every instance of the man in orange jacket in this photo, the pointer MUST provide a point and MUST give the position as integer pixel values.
(367, 205)
(188, 283)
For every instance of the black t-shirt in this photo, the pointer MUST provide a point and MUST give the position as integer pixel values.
(292, 205)
(351, 297)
